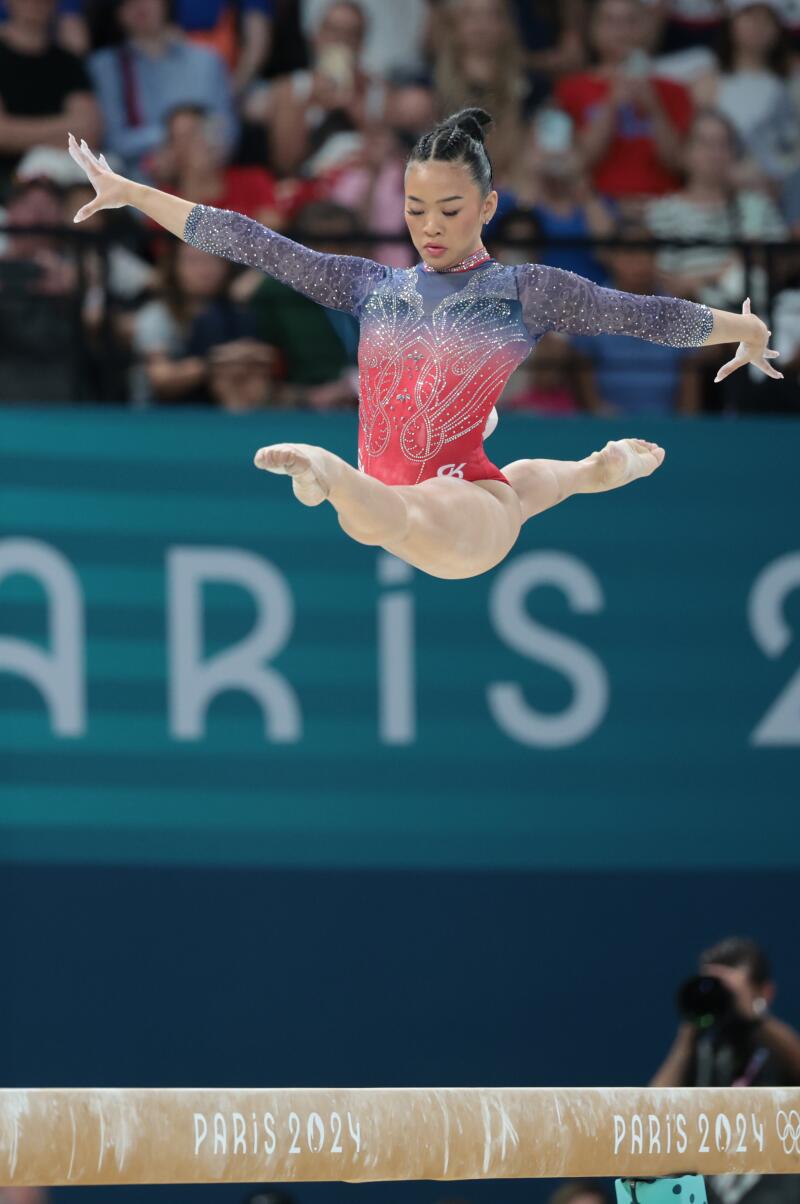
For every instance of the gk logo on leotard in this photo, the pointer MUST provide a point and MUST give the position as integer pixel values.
(451, 470)
(787, 1125)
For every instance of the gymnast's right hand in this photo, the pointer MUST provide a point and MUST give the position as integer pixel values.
(112, 190)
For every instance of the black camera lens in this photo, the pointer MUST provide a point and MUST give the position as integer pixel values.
(704, 1000)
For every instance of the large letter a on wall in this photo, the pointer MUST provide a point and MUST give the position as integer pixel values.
(59, 671)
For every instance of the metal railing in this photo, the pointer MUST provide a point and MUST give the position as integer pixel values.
(92, 358)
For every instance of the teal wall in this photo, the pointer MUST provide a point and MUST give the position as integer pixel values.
(624, 692)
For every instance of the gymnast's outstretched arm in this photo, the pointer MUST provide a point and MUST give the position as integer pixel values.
(554, 299)
(339, 281)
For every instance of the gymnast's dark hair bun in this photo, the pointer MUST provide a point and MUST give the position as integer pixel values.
(471, 121)
(459, 139)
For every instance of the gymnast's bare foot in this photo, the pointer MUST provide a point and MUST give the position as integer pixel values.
(309, 468)
(622, 461)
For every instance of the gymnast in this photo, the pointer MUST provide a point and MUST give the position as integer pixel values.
(438, 343)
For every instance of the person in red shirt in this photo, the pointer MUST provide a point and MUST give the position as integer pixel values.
(191, 163)
(631, 124)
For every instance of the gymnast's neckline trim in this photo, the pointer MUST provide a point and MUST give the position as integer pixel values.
(465, 265)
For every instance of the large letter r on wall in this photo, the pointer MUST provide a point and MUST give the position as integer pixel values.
(194, 682)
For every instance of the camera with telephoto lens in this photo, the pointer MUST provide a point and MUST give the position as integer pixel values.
(706, 1002)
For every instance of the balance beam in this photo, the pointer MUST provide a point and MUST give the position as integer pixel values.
(68, 1136)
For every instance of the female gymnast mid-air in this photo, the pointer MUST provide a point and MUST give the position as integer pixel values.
(438, 343)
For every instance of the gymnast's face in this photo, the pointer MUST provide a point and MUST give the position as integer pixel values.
(445, 211)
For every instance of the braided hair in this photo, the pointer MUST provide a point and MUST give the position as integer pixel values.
(459, 139)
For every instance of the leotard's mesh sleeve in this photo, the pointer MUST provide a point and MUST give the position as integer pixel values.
(339, 281)
(553, 299)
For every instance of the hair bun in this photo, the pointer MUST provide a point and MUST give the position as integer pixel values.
(471, 121)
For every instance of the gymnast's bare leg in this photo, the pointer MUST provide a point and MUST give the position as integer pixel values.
(446, 527)
(540, 484)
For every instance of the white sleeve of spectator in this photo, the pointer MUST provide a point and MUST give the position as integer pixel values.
(153, 330)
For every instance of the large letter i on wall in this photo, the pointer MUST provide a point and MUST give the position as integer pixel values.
(397, 697)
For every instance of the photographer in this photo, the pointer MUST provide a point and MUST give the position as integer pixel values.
(728, 1038)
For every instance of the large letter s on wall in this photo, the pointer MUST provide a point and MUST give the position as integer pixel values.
(522, 633)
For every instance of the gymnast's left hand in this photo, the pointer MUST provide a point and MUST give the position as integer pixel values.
(113, 191)
(754, 349)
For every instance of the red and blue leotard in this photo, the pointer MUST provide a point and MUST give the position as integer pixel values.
(437, 348)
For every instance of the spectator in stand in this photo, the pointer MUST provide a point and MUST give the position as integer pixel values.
(128, 275)
(112, 287)
(518, 234)
(48, 163)
(691, 23)
(44, 90)
(552, 31)
(786, 327)
(71, 30)
(622, 375)
(579, 1191)
(748, 1046)
(545, 384)
(751, 86)
(103, 26)
(518, 237)
(265, 1195)
(680, 34)
(39, 340)
(192, 164)
(331, 104)
(711, 208)
(479, 61)
(630, 123)
(288, 47)
(395, 35)
(372, 187)
(240, 31)
(791, 21)
(174, 333)
(24, 1195)
(240, 376)
(152, 71)
(292, 323)
(108, 283)
(552, 184)
(412, 111)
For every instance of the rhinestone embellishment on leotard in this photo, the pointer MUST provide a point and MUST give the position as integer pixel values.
(429, 379)
(434, 358)
(472, 261)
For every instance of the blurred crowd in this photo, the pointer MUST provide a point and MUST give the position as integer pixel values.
(617, 123)
(571, 1191)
